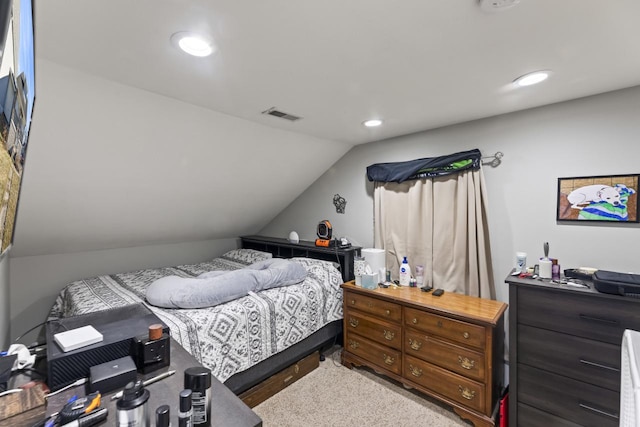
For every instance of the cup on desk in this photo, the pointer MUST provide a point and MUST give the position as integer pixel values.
(359, 267)
(545, 268)
(370, 281)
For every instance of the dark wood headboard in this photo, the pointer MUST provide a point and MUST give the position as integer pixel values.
(282, 248)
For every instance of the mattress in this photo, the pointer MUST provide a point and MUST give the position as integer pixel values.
(231, 337)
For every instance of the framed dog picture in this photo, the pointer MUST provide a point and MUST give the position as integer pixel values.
(598, 198)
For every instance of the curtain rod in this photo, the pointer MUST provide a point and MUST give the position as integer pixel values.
(495, 159)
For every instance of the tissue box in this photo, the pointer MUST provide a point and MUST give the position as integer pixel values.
(369, 281)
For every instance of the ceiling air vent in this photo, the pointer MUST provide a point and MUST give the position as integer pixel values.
(281, 114)
(497, 5)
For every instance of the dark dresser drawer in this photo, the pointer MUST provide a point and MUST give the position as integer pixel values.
(582, 403)
(529, 416)
(602, 319)
(593, 362)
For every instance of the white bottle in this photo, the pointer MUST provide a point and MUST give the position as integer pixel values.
(405, 272)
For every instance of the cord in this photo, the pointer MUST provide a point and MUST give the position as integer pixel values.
(29, 330)
(13, 390)
(73, 384)
(338, 256)
(42, 375)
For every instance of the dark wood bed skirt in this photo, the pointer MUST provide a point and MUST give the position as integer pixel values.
(321, 340)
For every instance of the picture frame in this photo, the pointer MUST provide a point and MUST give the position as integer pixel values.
(609, 198)
(17, 96)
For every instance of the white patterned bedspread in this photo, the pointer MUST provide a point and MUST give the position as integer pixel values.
(231, 337)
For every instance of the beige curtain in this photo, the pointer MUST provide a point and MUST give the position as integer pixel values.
(441, 224)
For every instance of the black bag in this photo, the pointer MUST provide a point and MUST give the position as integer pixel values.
(611, 282)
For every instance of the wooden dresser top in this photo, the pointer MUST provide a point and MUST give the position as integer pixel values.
(476, 309)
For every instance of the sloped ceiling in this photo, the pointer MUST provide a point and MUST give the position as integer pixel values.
(135, 143)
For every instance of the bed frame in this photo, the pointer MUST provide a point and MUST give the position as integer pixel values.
(283, 248)
(322, 339)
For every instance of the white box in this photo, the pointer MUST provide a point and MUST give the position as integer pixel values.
(76, 338)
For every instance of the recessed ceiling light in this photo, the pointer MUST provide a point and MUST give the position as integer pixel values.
(193, 44)
(532, 78)
(372, 123)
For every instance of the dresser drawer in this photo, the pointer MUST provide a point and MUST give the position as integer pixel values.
(453, 386)
(582, 403)
(601, 319)
(385, 333)
(465, 333)
(383, 309)
(582, 359)
(450, 356)
(384, 357)
(532, 417)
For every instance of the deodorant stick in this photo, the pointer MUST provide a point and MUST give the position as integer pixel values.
(198, 380)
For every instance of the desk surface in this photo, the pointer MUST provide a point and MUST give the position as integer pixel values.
(226, 408)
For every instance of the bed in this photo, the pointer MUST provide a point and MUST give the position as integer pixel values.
(243, 341)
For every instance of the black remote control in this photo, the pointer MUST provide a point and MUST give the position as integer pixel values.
(438, 292)
(426, 289)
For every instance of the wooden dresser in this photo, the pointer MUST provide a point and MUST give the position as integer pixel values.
(564, 353)
(448, 347)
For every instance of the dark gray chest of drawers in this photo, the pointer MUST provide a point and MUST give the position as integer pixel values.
(564, 354)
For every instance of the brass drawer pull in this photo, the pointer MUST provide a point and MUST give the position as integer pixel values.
(416, 372)
(439, 324)
(387, 312)
(354, 344)
(466, 363)
(466, 393)
(388, 360)
(466, 335)
(388, 335)
(415, 344)
(353, 302)
(353, 322)
(369, 304)
(414, 321)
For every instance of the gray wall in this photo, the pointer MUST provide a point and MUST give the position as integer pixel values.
(591, 136)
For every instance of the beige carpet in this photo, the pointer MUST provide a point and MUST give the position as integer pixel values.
(333, 395)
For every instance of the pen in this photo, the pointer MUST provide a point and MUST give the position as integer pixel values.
(145, 383)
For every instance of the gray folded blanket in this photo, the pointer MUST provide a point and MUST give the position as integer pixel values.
(217, 287)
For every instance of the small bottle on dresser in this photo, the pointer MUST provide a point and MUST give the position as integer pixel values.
(186, 413)
(405, 272)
